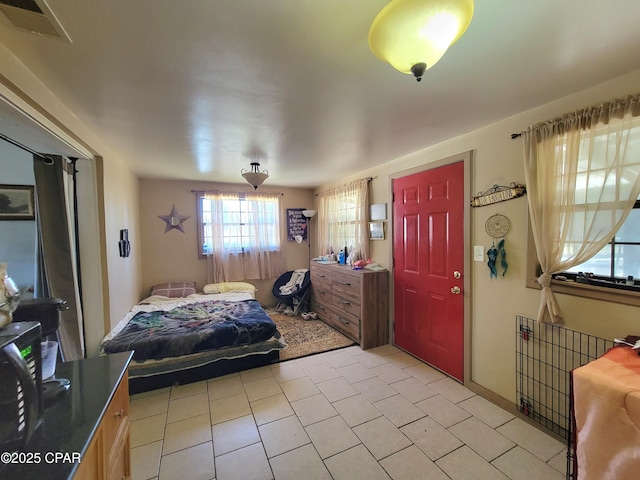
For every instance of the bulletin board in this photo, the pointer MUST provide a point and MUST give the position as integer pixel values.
(296, 223)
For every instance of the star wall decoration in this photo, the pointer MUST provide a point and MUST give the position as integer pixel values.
(174, 220)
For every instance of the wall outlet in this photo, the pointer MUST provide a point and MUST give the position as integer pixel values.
(478, 253)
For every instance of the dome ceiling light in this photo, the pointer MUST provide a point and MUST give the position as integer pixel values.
(255, 177)
(412, 35)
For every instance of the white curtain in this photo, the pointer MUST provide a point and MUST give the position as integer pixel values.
(245, 237)
(582, 174)
(343, 218)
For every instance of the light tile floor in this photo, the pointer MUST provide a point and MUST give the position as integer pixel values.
(348, 414)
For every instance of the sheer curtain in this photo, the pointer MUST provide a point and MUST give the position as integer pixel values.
(58, 263)
(582, 174)
(343, 218)
(245, 237)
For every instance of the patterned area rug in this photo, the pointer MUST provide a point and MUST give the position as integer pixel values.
(305, 337)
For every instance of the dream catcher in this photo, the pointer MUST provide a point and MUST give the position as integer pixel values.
(497, 226)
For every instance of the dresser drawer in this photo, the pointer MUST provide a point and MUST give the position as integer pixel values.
(322, 309)
(346, 286)
(346, 323)
(320, 275)
(321, 292)
(346, 304)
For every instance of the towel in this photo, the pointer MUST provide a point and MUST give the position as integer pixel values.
(295, 282)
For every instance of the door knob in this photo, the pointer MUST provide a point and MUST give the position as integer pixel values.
(457, 274)
(456, 290)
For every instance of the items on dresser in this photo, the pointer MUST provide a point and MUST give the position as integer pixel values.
(355, 302)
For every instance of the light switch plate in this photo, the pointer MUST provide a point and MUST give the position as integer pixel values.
(478, 253)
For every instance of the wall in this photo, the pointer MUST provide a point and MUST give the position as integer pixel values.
(121, 211)
(497, 159)
(17, 237)
(172, 256)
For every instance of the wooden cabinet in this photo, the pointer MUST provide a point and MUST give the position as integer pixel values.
(355, 302)
(108, 455)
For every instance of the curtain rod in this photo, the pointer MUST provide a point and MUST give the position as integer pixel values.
(225, 191)
(515, 135)
(25, 148)
(368, 179)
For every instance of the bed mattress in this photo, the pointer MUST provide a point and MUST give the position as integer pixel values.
(173, 334)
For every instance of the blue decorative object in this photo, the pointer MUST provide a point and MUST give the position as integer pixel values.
(503, 256)
(492, 253)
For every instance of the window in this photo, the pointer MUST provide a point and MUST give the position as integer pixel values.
(241, 219)
(617, 261)
(239, 235)
(583, 182)
(342, 223)
(342, 218)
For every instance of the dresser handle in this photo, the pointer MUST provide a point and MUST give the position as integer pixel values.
(345, 302)
(119, 414)
(344, 283)
(320, 275)
(321, 307)
(346, 322)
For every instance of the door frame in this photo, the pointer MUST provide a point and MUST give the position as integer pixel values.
(466, 158)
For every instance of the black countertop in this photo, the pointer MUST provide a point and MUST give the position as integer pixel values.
(70, 423)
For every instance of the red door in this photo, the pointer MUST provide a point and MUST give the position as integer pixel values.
(428, 249)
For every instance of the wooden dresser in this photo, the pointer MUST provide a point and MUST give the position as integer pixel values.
(355, 302)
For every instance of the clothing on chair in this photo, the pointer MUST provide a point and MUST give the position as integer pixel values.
(295, 282)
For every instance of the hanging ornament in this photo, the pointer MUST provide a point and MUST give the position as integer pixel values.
(497, 226)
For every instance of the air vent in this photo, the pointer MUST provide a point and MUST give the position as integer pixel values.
(34, 16)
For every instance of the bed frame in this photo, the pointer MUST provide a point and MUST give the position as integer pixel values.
(211, 370)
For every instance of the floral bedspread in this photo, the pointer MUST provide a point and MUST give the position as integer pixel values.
(193, 327)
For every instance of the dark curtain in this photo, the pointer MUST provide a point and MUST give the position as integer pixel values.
(58, 276)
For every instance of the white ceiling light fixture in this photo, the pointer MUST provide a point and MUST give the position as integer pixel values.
(412, 35)
(255, 177)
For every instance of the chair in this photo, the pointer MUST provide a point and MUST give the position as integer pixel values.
(297, 300)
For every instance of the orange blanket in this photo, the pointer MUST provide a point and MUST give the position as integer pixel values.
(607, 416)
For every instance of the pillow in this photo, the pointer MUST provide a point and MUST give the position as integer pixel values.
(229, 287)
(174, 289)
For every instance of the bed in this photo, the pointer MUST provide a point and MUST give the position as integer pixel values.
(180, 336)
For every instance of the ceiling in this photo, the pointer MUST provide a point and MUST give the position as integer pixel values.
(196, 89)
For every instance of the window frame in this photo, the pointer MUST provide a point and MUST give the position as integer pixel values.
(595, 292)
(200, 196)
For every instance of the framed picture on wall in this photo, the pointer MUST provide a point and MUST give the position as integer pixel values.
(376, 230)
(378, 211)
(296, 224)
(16, 202)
